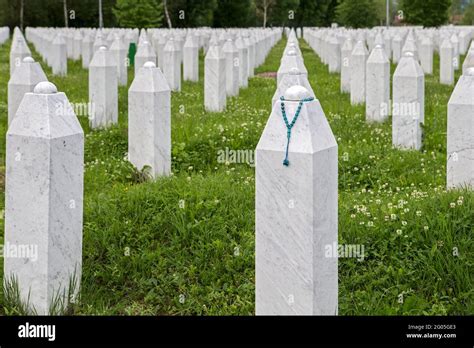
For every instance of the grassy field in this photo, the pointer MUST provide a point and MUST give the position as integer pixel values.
(185, 244)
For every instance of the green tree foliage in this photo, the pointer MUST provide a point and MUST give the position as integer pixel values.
(357, 14)
(44, 13)
(139, 13)
(192, 13)
(231, 13)
(284, 13)
(429, 13)
(468, 18)
(319, 13)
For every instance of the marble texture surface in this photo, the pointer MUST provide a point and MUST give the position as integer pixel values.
(468, 61)
(77, 45)
(335, 55)
(460, 134)
(426, 55)
(119, 51)
(296, 213)
(346, 51)
(408, 103)
(191, 59)
(44, 197)
(243, 62)
(59, 56)
(446, 67)
(86, 50)
(23, 80)
(396, 48)
(214, 80)
(103, 89)
(455, 43)
(231, 54)
(145, 53)
(172, 64)
(149, 121)
(18, 51)
(377, 90)
(358, 64)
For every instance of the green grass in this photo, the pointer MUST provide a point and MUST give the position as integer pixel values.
(185, 244)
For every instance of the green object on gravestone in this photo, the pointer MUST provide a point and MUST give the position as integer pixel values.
(132, 50)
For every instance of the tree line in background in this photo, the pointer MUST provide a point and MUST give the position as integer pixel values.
(232, 13)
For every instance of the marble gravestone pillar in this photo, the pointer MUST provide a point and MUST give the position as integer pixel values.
(59, 56)
(377, 101)
(214, 80)
(119, 51)
(446, 66)
(296, 212)
(87, 48)
(358, 65)
(149, 121)
(426, 55)
(231, 55)
(191, 59)
(408, 103)
(44, 200)
(103, 89)
(346, 52)
(172, 64)
(460, 134)
(145, 53)
(242, 62)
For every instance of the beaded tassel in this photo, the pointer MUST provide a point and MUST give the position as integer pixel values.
(289, 126)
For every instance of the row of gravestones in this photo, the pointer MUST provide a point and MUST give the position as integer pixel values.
(45, 153)
(367, 78)
(231, 57)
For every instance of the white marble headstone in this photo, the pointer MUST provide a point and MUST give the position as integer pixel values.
(44, 200)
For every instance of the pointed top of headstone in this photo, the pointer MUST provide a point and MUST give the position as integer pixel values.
(408, 66)
(118, 45)
(149, 79)
(29, 72)
(229, 46)
(359, 49)
(102, 58)
(446, 43)
(377, 55)
(213, 52)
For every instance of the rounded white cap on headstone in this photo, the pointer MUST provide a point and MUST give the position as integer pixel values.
(149, 65)
(45, 87)
(103, 48)
(408, 54)
(28, 60)
(296, 93)
(291, 53)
